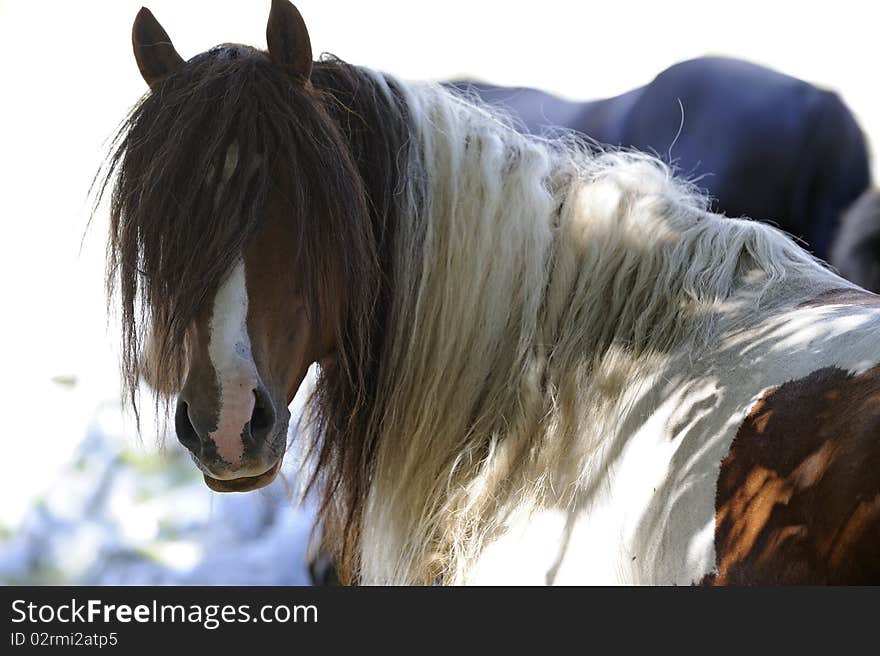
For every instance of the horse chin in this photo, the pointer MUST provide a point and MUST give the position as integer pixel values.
(245, 483)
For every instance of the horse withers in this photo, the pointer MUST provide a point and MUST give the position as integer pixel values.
(538, 362)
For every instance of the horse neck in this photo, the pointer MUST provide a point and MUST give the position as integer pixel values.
(532, 286)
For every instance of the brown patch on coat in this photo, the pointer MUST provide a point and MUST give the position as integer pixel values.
(798, 497)
(843, 296)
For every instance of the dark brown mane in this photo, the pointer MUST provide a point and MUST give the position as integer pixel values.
(337, 146)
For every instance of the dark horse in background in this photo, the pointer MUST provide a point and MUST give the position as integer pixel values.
(761, 144)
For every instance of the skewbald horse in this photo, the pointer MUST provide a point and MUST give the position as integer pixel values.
(538, 363)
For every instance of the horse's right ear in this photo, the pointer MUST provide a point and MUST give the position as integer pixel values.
(153, 50)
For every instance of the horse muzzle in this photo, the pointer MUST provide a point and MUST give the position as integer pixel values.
(239, 459)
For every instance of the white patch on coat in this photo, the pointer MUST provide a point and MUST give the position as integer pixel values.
(653, 521)
(230, 351)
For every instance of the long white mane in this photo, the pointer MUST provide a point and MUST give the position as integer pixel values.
(539, 287)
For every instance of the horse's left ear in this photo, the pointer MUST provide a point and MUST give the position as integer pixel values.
(290, 48)
(153, 50)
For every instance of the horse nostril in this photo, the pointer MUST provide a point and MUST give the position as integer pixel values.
(263, 417)
(186, 432)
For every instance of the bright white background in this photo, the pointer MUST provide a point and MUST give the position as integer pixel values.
(67, 77)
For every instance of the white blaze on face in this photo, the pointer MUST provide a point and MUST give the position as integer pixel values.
(230, 163)
(229, 348)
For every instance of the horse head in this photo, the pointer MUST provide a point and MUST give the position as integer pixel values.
(234, 199)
